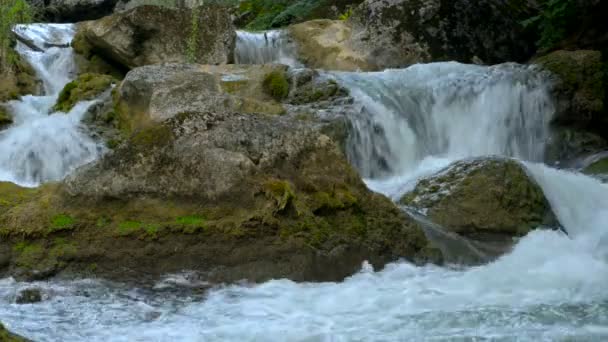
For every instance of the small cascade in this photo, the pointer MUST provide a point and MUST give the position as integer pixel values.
(41, 146)
(445, 111)
(264, 48)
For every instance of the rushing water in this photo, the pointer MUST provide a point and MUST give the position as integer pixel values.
(41, 145)
(264, 48)
(551, 287)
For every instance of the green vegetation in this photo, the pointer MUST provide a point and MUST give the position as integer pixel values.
(556, 19)
(62, 222)
(193, 37)
(276, 85)
(599, 167)
(5, 117)
(346, 15)
(12, 12)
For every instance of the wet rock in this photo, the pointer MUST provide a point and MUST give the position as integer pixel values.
(6, 118)
(29, 296)
(7, 336)
(579, 89)
(568, 144)
(19, 80)
(597, 165)
(152, 34)
(489, 200)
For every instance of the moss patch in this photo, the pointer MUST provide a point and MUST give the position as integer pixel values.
(276, 85)
(5, 118)
(85, 87)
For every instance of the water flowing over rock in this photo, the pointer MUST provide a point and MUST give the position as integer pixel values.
(37, 147)
(446, 110)
(153, 34)
(265, 47)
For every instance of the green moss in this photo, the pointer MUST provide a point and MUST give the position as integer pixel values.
(191, 224)
(62, 222)
(154, 136)
(129, 227)
(336, 200)
(276, 85)
(29, 254)
(281, 192)
(85, 87)
(599, 167)
(6, 336)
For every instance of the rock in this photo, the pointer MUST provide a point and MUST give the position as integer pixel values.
(29, 296)
(70, 11)
(489, 200)
(154, 93)
(597, 164)
(152, 34)
(567, 144)
(19, 80)
(403, 32)
(7, 336)
(579, 90)
(6, 118)
(85, 87)
(327, 44)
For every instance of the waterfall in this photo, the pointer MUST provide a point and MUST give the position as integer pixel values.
(264, 48)
(41, 145)
(446, 111)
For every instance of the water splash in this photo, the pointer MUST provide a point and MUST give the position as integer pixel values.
(42, 146)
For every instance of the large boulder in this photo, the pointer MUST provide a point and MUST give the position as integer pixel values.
(206, 183)
(486, 199)
(579, 88)
(153, 34)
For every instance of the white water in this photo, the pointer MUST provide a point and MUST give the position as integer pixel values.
(264, 48)
(551, 287)
(41, 146)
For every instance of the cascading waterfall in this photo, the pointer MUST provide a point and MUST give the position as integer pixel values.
(264, 48)
(41, 145)
(412, 122)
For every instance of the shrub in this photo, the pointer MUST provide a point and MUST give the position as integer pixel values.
(555, 20)
(12, 12)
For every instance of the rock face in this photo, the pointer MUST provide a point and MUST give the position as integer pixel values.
(70, 11)
(483, 199)
(398, 33)
(402, 32)
(204, 182)
(579, 89)
(152, 34)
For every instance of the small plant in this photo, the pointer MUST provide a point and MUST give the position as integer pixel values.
(192, 47)
(12, 12)
(276, 85)
(346, 15)
(555, 20)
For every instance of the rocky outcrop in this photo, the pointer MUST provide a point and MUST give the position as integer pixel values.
(488, 200)
(5, 117)
(19, 80)
(70, 11)
(152, 34)
(579, 89)
(399, 33)
(207, 182)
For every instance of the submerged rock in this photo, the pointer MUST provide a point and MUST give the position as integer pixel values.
(29, 296)
(153, 34)
(489, 200)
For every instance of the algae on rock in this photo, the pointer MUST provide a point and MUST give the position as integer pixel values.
(85, 87)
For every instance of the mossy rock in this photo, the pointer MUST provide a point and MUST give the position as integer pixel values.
(5, 118)
(599, 167)
(85, 87)
(276, 85)
(7, 336)
(19, 80)
(483, 198)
